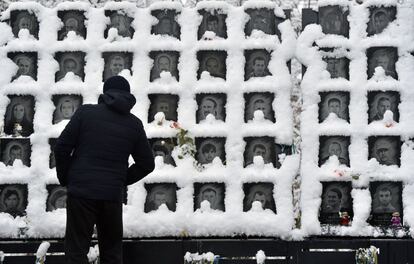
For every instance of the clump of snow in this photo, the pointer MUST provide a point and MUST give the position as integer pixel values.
(260, 257)
(42, 250)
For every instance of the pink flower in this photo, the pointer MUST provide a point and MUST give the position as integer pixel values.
(175, 125)
(339, 173)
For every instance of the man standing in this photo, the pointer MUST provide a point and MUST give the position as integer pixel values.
(92, 161)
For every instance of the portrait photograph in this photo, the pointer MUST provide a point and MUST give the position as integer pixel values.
(259, 102)
(163, 147)
(334, 145)
(262, 19)
(56, 197)
(213, 62)
(164, 61)
(167, 23)
(337, 67)
(13, 199)
(257, 63)
(334, 20)
(121, 22)
(213, 21)
(26, 63)
(385, 149)
(282, 149)
(24, 19)
(336, 199)
(209, 148)
(66, 105)
(115, 62)
(160, 193)
(213, 104)
(72, 20)
(261, 192)
(379, 102)
(259, 146)
(70, 62)
(334, 103)
(386, 200)
(15, 149)
(165, 103)
(384, 57)
(52, 160)
(213, 192)
(18, 120)
(379, 18)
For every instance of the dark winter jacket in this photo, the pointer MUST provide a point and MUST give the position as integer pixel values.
(93, 150)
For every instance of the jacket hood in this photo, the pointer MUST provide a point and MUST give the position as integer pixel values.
(118, 100)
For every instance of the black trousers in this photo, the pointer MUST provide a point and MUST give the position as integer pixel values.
(81, 216)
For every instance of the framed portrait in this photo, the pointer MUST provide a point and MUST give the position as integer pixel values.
(385, 149)
(259, 146)
(163, 147)
(121, 22)
(13, 149)
(213, 104)
(164, 61)
(18, 120)
(379, 102)
(262, 19)
(165, 103)
(167, 23)
(72, 20)
(56, 197)
(214, 20)
(213, 62)
(115, 62)
(209, 148)
(257, 63)
(66, 105)
(52, 160)
(282, 149)
(384, 57)
(336, 199)
(160, 193)
(24, 19)
(27, 63)
(334, 145)
(337, 67)
(213, 192)
(70, 62)
(379, 18)
(259, 102)
(386, 201)
(261, 192)
(334, 103)
(13, 199)
(334, 20)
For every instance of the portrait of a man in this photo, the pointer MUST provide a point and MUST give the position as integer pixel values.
(210, 148)
(334, 20)
(115, 62)
(213, 104)
(334, 103)
(214, 62)
(334, 146)
(167, 24)
(66, 105)
(337, 67)
(160, 193)
(15, 149)
(24, 19)
(385, 149)
(259, 146)
(386, 199)
(384, 57)
(52, 160)
(18, 120)
(213, 21)
(165, 103)
(262, 19)
(26, 63)
(70, 62)
(73, 20)
(379, 102)
(379, 18)
(257, 62)
(261, 192)
(163, 147)
(121, 22)
(212, 192)
(336, 199)
(56, 198)
(259, 102)
(164, 61)
(13, 199)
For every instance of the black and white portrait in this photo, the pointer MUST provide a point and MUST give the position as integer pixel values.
(379, 18)
(379, 102)
(212, 192)
(213, 21)
(121, 22)
(70, 62)
(384, 57)
(167, 23)
(160, 193)
(336, 199)
(52, 160)
(18, 120)
(15, 149)
(337, 67)
(334, 146)
(282, 150)
(165, 103)
(213, 62)
(261, 192)
(259, 146)
(334, 20)
(334, 103)
(24, 19)
(210, 148)
(13, 199)
(72, 20)
(385, 149)
(26, 63)
(264, 20)
(386, 200)
(259, 102)
(257, 63)
(163, 147)
(164, 61)
(213, 104)
(115, 62)
(66, 105)
(56, 197)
